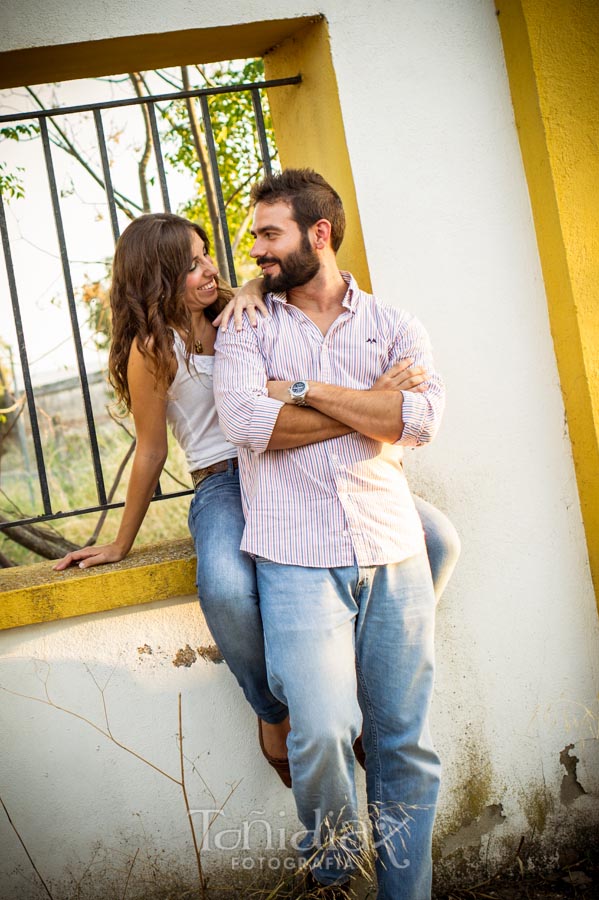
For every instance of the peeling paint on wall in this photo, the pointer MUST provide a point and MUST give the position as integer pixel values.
(570, 788)
(185, 657)
(470, 834)
(475, 809)
(211, 653)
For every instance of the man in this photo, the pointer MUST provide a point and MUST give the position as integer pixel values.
(345, 589)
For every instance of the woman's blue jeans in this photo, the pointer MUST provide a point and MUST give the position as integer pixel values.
(226, 580)
(442, 543)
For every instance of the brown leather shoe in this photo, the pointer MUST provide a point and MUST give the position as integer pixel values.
(281, 766)
(331, 892)
(359, 752)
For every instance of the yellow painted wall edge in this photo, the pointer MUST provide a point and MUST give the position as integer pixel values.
(308, 123)
(33, 594)
(310, 133)
(553, 69)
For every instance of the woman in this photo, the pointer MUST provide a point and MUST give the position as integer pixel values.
(165, 293)
(165, 297)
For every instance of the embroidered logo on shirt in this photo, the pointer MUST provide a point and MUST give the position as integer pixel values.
(371, 340)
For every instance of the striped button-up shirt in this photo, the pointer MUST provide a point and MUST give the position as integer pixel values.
(340, 501)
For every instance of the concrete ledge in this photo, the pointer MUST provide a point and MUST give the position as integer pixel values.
(32, 594)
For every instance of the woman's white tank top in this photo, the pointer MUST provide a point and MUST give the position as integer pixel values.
(191, 413)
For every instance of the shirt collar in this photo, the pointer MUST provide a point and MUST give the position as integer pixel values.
(351, 296)
(349, 301)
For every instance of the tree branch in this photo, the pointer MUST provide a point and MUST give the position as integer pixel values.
(38, 539)
(119, 198)
(202, 154)
(5, 562)
(142, 165)
(119, 474)
(174, 84)
(22, 842)
(242, 230)
(209, 81)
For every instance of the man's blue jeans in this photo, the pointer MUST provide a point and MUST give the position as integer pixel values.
(227, 582)
(345, 645)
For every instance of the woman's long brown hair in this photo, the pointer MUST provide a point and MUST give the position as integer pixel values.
(151, 263)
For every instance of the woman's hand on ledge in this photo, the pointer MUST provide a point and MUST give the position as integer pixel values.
(91, 556)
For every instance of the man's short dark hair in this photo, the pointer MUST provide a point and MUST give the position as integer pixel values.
(310, 197)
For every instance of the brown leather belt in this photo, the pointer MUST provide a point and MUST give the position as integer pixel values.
(200, 474)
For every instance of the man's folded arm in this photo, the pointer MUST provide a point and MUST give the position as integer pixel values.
(394, 417)
(248, 416)
(421, 412)
(298, 426)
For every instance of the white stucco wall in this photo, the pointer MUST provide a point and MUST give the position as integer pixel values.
(449, 234)
(88, 810)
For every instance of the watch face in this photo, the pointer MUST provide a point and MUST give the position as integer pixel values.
(298, 389)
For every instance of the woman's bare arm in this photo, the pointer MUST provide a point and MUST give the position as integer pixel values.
(149, 415)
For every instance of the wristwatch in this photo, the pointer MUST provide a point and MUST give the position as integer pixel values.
(298, 392)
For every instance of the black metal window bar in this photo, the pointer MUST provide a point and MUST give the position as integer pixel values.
(41, 116)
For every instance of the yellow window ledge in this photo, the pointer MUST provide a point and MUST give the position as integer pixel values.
(32, 594)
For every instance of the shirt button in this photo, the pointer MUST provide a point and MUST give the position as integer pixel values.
(346, 534)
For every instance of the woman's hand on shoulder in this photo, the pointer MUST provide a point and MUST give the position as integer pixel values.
(91, 556)
(248, 298)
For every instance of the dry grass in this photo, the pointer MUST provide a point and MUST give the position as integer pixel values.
(72, 486)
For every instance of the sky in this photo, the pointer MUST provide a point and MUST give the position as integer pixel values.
(33, 238)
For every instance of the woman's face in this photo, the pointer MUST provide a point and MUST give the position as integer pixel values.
(200, 286)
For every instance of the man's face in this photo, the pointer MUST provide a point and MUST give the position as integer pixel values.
(284, 254)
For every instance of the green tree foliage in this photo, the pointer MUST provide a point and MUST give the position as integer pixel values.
(95, 296)
(237, 149)
(11, 185)
(239, 161)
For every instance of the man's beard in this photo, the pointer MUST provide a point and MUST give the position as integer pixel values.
(297, 269)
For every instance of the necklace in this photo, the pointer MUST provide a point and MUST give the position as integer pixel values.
(196, 343)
